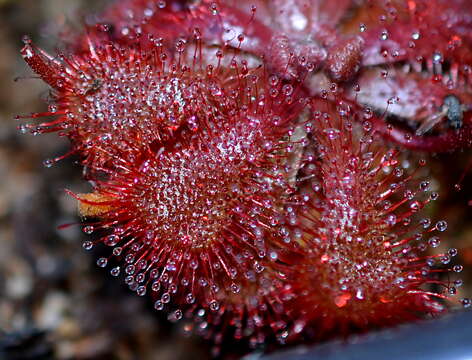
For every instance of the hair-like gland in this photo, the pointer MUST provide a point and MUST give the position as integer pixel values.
(186, 76)
(217, 22)
(219, 188)
(198, 223)
(366, 266)
(240, 25)
(111, 96)
(257, 315)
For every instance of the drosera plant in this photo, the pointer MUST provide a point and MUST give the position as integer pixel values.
(224, 192)
(193, 220)
(197, 227)
(370, 262)
(191, 208)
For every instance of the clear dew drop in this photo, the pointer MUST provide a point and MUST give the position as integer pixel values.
(87, 245)
(48, 163)
(287, 89)
(441, 225)
(214, 305)
(148, 12)
(398, 172)
(426, 223)
(214, 8)
(111, 240)
(159, 305)
(367, 126)
(175, 316)
(359, 294)
(115, 271)
(165, 298)
(452, 252)
(88, 229)
(384, 35)
(445, 259)
(415, 205)
(156, 285)
(437, 58)
(434, 242)
(23, 129)
(190, 298)
(102, 262)
(332, 134)
(393, 100)
(130, 269)
(368, 113)
(235, 288)
(141, 290)
(424, 186)
(466, 303)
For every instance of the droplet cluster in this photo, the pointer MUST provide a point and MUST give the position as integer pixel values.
(194, 220)
(360, 203)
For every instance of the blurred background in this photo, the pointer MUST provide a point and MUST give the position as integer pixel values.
(55, 303)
